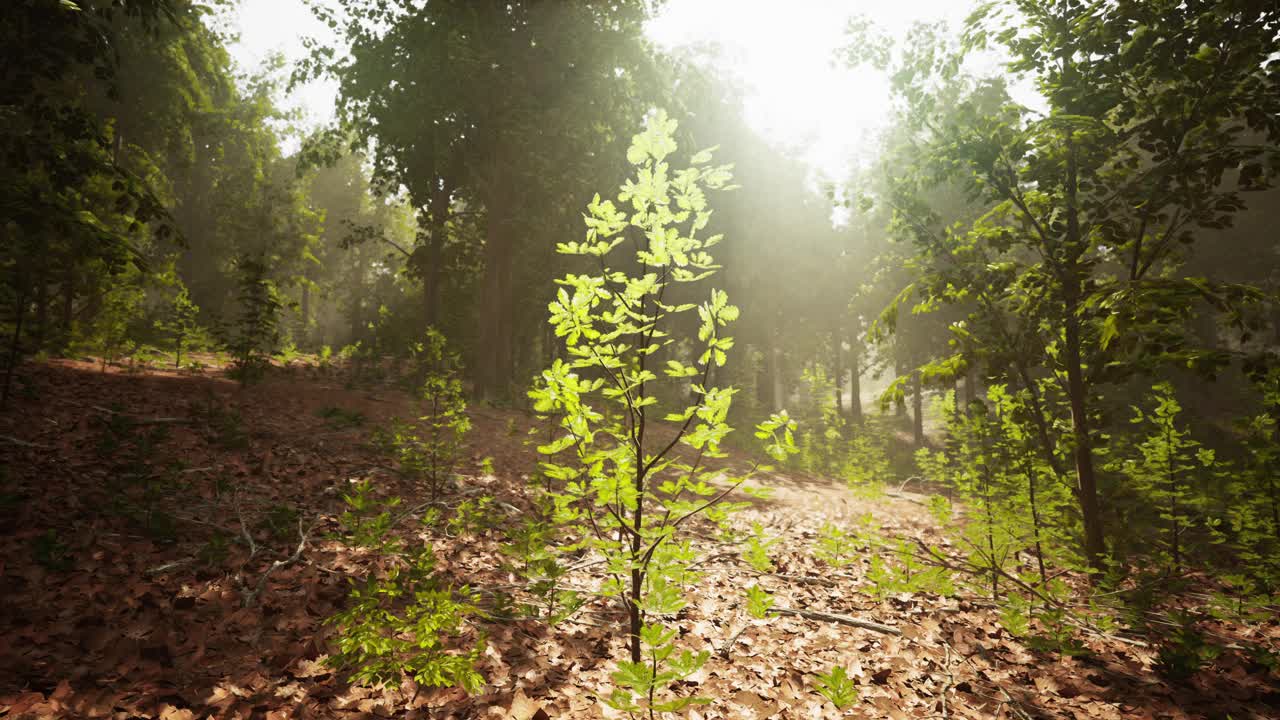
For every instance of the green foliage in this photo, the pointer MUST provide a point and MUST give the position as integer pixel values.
(254, 337)
(406, 624)
(836, 547)
(179, 324)
(837, 687)
(626, 493)
(756, 551)
(281, 521)
(759, 601)
(866, 467)
(473, 516)
(368, 520)
(1184, 649)
(1170, 473)
(341, 418)
(638, 683)
(431, 453)
(902, 570)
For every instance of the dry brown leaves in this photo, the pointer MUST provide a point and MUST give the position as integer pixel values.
(107, 620)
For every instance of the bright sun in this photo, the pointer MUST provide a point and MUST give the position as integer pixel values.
(784, 54)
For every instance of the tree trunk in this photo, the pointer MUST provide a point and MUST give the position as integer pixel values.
(900, 403)
(837, 371)
(776, 375)
(917, 409)
(433, 272)
(42, 309)
(1077, 391)
(15, 347)
(855, 382)
(494, 368)
(305, 310)
(970, 386)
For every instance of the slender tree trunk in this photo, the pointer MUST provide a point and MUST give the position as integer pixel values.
(837, 369)
(1029, 470)
(970, 386)
(776, 376)
(68, 301)
(1087, 484)
(42, 309)
(305, 310)
(900, 403)
(917, 408)
(15, 343)
(855, 383)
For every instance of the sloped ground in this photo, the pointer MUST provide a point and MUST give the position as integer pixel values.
(133, 580)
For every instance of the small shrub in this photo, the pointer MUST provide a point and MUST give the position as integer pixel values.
(408, 623)
(837, 687)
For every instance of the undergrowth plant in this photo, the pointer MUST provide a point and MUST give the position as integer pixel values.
(253, 338)
(405, 620)
(430, 451)
(632, 481)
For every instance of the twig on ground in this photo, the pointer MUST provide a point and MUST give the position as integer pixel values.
(841, 619)
(304, 535)
(24, 443)
(145, 421)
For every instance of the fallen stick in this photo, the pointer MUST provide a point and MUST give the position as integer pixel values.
(145, 421)
(841, 619)
(24, 443)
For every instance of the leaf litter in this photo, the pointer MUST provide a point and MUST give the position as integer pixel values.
(145, 508)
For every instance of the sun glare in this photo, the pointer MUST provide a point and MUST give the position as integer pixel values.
(784, 55)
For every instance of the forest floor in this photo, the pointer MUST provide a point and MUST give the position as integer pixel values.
(171, 551)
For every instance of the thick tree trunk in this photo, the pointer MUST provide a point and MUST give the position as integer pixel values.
(433, 273)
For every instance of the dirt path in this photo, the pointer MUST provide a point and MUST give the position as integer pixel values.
(126, 568)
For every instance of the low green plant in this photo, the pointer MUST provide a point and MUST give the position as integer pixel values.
(472, 516)
(902, 570)
(759, 602)
(408, 622)
(1184, 649)
(180, 324)
(281, 521)
(255, 335)
(836, 547)
(215, 550)
(340, 418)
(368, 520)
(837, 687)
(430, 452)
(756, 552)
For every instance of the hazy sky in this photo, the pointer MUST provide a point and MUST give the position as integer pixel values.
(780, 49)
